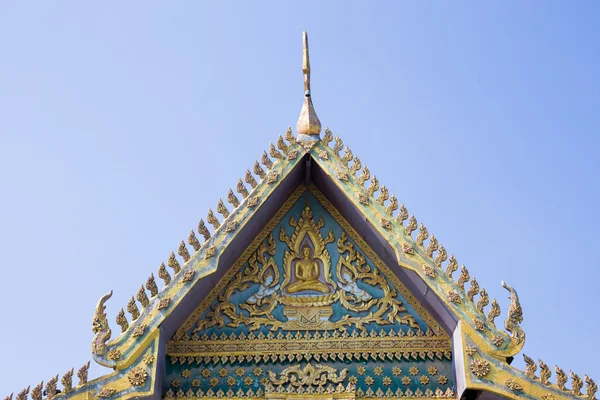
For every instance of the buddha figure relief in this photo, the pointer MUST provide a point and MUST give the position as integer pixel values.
(307, 273)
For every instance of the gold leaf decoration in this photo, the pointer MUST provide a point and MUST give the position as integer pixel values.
(281, 145)
(173, 263)
(37, 393)
(164, 303)
(479, 324)
(122, 321)
(454, 297)
(274, 153)
(480, 367)
(591, 388)
(373, 187)
(473, 290)
(402, 215)
(515, 316)
(348, 156)
(385, 224)
(576, 384)
(322, 154)
(106, 392)
(67, 381)
(544, 373)
(463, 277)
(471, 350)
(493, 313)
(498, 340)
(513, 385)
(272, 178)
(407, 249)
(22, 395)
(249, 179)
(561, 378)
(183, 252)
(241, 189)
(148, 359)
(411, 226)
(266, 161)
(188, 276)
(364, 176)
(212, 219)
(452, 266)
(338, 146)
(211, 251)
(342, 175)
(139, 330)
(530, 367)
(432, 246)
(51, 387)
(289, 136)
(113, 354)
(232, 199)
(327, 137)
(483, 301)
(221, 209)
(363, 199)
(258, 171)
(164, 274)
(316, 375)
(82, 374)
(193, 241)
(422, 236)
(392, 206)
(383, 195)
(441, 257)
(137, 376)
(292, 155)
(203, 230)
(142, 297)
(132, 309)
(252, 201)
(355, 167)
(429, 271)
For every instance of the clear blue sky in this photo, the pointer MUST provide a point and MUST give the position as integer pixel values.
(122, 123)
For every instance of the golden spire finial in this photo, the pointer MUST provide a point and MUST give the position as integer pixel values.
(308, 123)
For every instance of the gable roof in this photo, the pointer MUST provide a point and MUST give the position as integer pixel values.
(483, 350)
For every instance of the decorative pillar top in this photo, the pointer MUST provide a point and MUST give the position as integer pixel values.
(308, 126)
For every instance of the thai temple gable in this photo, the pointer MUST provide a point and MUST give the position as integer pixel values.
(311, 280)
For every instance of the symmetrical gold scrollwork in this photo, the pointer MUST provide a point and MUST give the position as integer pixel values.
(310, 375)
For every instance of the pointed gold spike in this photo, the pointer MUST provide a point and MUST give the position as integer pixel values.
(164, 274)
(308, 122)
(232, 199)
(173, 263)
(241, 189)
(82, 374)
(383, 195)
(51, 387)
(327, 138)
(193, 241)
(364, 176)
(561, 378)
(348, 156)
(545, 373)
(373, 187)
(463, 277)
(37, 392)
(355, 167)
(266, 161)
(473, 290)
(212, 219)
(67, 381)
(250, 179)
(392, 206)
(183, 252)
(576, 384)
(274, 153)
(151, 286)
(432, 246)
(483, 301)
(338, 146)
(22, 395)
(221, 209)
(452, 266)
(422, 236)
(122, 320)
(282, 146)
(411, 226)
(203, 230)
(494, 312)
(289, 136)
(402, 215)
(441, 257)
(530, 367)
(142, 297)
(591, 388)
(259, 171)
(132, 309)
